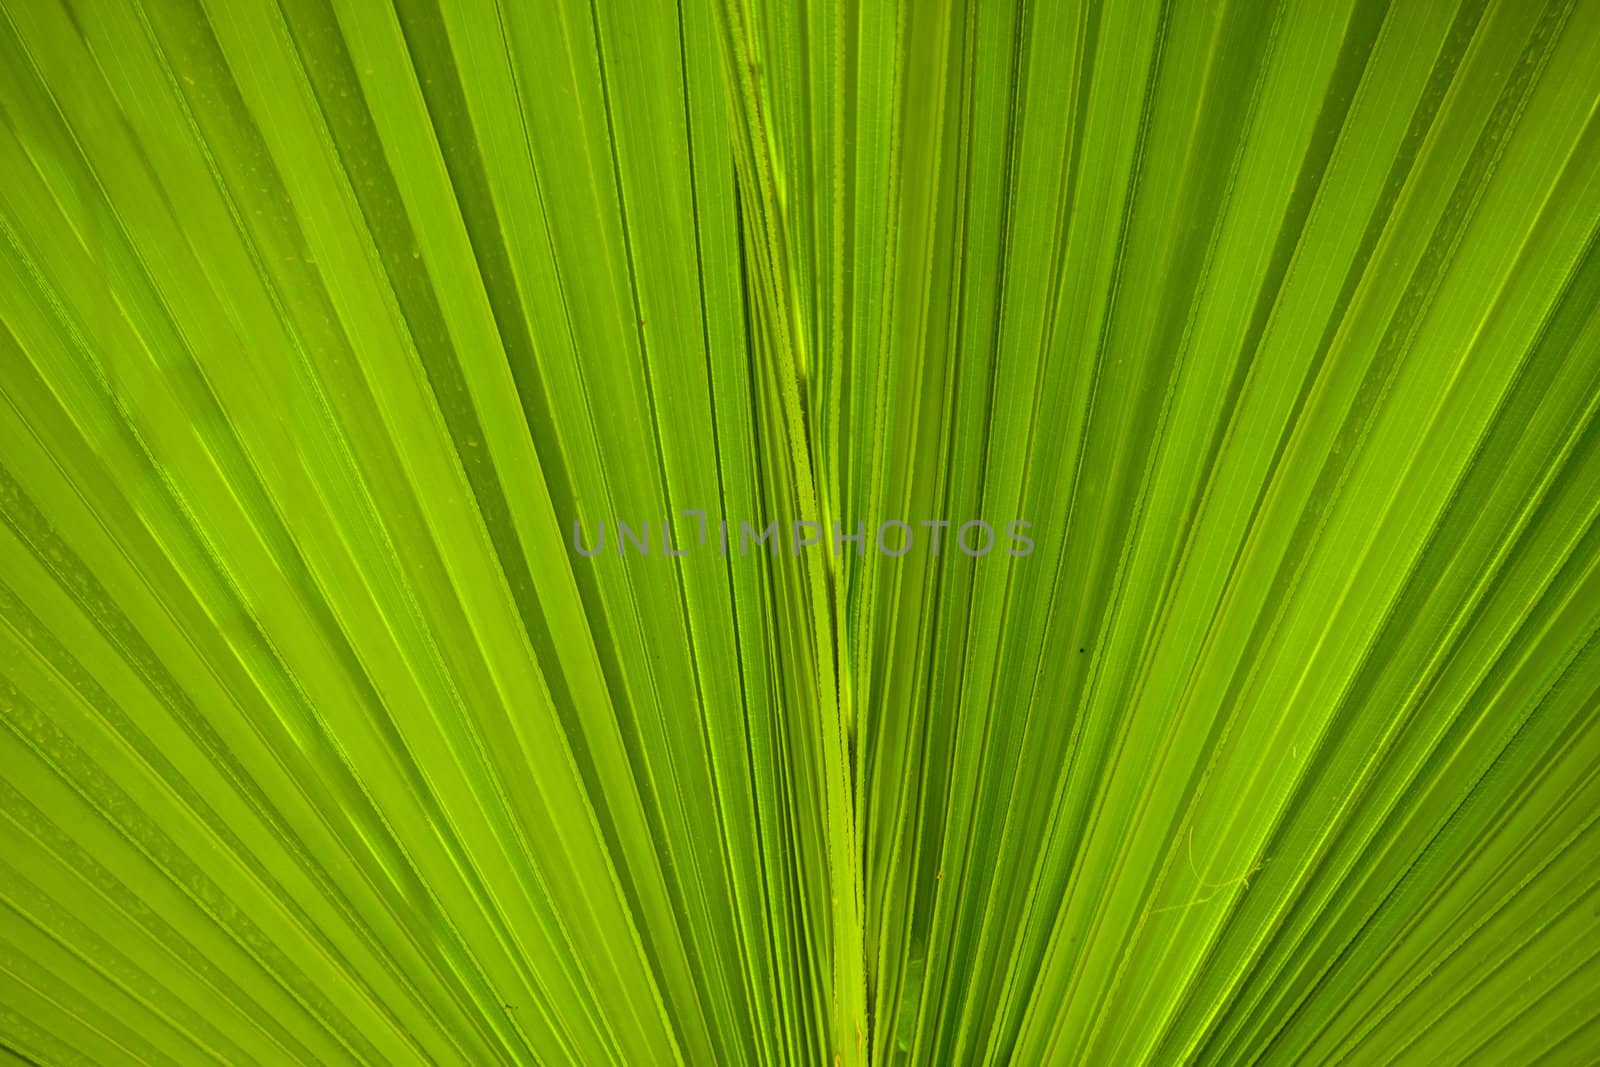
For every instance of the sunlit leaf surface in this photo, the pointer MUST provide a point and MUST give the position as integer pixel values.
(327, 325)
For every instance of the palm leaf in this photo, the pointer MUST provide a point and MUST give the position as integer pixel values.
(334, 332)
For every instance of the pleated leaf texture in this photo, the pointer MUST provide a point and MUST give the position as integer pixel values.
(799, 532)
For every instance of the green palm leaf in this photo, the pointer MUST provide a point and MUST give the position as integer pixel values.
(334, 333)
